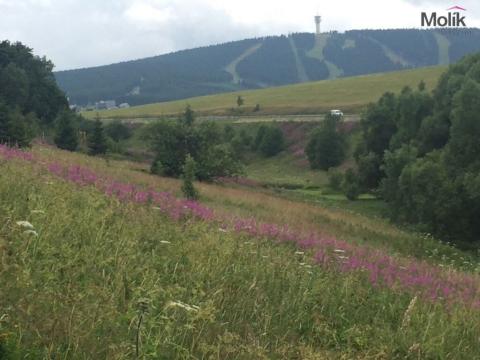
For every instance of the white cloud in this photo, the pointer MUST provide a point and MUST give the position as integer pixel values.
(79, 33)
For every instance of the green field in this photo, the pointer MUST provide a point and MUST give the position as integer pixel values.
(349, 94)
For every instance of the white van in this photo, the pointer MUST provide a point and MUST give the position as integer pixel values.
(336, 113)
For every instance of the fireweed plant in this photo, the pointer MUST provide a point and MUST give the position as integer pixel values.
(430, 282)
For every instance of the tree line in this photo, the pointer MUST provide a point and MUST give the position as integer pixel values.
(31, 104)
(29, 96)
(421, 153)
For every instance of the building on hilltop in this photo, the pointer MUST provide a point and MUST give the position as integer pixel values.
(106, 105)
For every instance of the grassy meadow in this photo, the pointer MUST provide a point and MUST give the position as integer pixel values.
(92, 268)
(350, 94)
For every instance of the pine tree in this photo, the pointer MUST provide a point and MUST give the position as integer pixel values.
(65, 133)
(188, 116)
(240, 101)
(188, 177)
(97, 141)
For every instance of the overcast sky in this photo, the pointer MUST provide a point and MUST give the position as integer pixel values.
(83, 33)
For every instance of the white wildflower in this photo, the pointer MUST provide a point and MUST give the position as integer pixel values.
(339, 251)
(299, 253)
(408, 313)
(25, 224)
(156, 208)
(182, 305)
(165, 242)
(222, 230)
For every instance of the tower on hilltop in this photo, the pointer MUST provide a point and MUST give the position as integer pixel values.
(318, 21)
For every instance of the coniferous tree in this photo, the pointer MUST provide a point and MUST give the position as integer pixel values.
(188, 177)
(240, 101)
(97, 141)
(188, 116)
(65, 132)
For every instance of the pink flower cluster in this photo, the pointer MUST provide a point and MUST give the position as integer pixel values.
(416, 277)
(14, 153)
(165, 202)
(408, 275)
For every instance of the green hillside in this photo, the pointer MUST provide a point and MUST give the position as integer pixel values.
(349, 94)
(265, 62)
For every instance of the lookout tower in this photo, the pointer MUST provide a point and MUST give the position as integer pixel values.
(318, 20)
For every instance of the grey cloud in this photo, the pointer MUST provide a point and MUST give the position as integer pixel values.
(82, 33)
(79, 34)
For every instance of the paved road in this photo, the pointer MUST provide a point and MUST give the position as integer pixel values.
(278, 118)
(253, 119)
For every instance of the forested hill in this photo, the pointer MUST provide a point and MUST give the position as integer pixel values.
(263, 62)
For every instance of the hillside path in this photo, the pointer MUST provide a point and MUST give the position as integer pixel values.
(232, 67)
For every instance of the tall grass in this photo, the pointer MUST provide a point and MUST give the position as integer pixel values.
(76, 287)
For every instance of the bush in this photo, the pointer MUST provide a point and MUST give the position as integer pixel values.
(205, 143)
(350, 185)
(118, 131)
(327, 146)
(269, 140)
(369, 171)
(335, 179)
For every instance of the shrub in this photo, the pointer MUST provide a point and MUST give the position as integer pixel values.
(118, 131)
(269, 140)
(327, 146)
(350, 185)
(335, 179)
(205, 142)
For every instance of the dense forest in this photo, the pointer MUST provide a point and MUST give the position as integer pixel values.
(177, 75)
(263, 62)
(420, 153)
(29, 96)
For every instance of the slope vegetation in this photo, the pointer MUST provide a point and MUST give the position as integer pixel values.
(279, 60)
(100, 261)
(349, 94)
